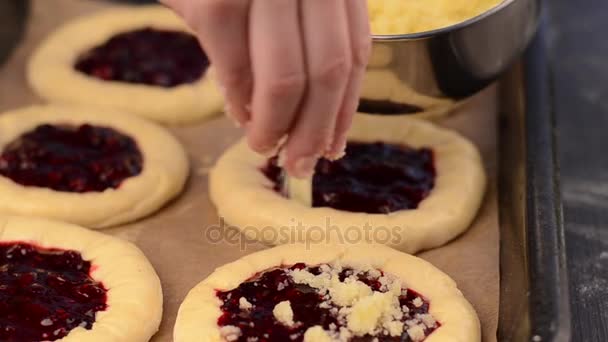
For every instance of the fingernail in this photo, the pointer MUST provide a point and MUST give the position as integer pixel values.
(275, 150)
(271, 152)
(336, 155)
(228, 108)
(338, 151)
(304, 167)
(230, 115)
(282, 158)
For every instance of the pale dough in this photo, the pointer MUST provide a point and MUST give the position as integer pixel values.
(244, 196)
(165, 170)
(53, 77)
(135, 297)
(198, 314)
(383, 84)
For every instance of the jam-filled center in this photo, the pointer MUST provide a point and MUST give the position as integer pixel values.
(70, 158)
(146, 56)
(371, 178)
(387, 107)
(45, 293)
(326, 298)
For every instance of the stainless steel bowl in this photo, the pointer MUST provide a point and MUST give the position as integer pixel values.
(13, 16)
(432, 69)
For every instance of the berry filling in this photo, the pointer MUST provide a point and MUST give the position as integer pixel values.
(282, 304)
(370, 178)
(69, 158)
(45, 293)
(386, 107)
(146, 56)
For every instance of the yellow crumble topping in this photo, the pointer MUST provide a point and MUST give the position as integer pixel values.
(411, 16)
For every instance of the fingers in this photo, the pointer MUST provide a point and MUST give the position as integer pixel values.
(280, 74)
(360, 44)
(290, 68)
(222, 27)
(328, 60)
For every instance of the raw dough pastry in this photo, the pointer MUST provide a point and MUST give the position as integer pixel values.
(198, 316)
(383, 85)
(164, 173)
(52, 75)
(134, 295)
(245, 197)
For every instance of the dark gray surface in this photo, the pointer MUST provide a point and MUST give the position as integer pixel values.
(578, 45)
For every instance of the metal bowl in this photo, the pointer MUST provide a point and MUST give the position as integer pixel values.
(432, 69)
(13, 16)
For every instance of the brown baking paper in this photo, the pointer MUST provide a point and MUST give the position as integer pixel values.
(178, 241)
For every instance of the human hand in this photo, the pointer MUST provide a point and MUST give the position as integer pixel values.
(289, 68)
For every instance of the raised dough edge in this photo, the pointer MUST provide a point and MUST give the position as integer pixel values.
(198, 314)
(163, 176)
(51, 74)
(236, 182)
(135, 300)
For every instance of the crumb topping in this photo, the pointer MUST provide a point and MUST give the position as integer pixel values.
(283, 313)
(244, 304)
(316, 334)
(230, 332)
(328, 302)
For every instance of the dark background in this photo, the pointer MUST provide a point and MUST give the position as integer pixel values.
(578, 46)
(577, 40)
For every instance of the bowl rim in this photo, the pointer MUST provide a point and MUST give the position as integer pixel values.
(442, 30)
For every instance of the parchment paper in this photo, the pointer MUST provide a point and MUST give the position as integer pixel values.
(177, 239)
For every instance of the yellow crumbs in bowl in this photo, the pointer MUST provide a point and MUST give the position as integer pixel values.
(411, 16)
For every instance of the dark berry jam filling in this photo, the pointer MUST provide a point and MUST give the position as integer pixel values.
(45, 293)
(386, 107)
(146, 56)
(370, 178)
(71, 158)
(375, 178)
(265, 290)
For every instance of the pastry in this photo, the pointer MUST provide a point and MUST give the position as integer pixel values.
(383, 93)
(323, 293)
(390, 17)
(140, 60)
(92, 167)
(60, 282)
(415, 186)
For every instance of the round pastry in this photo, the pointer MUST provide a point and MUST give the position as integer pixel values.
(140, 60)
(96, 168)
(60, 282)
(384, 93)
(323, 293)
(404, 182)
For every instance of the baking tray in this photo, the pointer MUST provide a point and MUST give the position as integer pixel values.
(534, 303)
